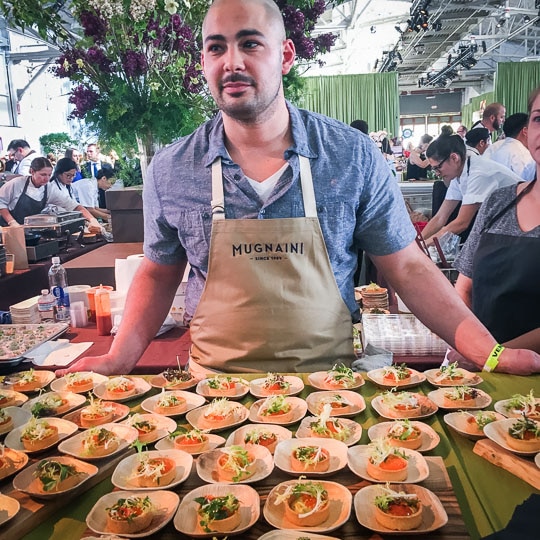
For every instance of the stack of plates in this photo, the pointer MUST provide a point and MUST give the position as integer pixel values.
(373, 297)
(25, 312)
(402, 334)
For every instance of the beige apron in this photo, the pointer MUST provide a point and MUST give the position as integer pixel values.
(270, 302)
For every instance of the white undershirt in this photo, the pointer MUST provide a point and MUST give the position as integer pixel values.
(265, 188)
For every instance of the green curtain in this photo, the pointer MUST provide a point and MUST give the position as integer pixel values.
(371, 97)
(514, 82)
(474, 105)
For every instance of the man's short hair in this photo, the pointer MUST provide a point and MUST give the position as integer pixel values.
(105, 171)
(474, 136)
(514, 124)
(360, 125)
(443, 146)
(492, 110)
(17, 143)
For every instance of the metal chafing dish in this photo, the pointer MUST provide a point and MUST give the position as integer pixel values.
(54, 225)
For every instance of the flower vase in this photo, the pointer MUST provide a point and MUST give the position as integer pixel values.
(147, 147)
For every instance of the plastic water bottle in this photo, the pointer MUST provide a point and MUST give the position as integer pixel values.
(46, 304)
(58, 286)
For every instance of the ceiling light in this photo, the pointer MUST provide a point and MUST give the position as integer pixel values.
(526, 19)
(437, 26)
(373, 29)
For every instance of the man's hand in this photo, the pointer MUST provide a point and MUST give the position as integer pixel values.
(103, 364)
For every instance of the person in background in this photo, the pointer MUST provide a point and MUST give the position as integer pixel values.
(289, 180)
(417, 163)
(52, 158)
(471, 180)
(492, 118)
(86, 192)
(500, 263)
(76, 156)
(513, 151)
(446, 131)
(29, 195)
(477, 141)
(462, 131)
(94, 163)
(360, 125)
(104, 183)
(23, 154)
(62, 178)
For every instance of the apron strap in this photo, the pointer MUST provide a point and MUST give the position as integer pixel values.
(218, 198)
(306, 181)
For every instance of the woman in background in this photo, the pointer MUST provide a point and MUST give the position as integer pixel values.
(63, 176)
(500, 263)
(417, 163)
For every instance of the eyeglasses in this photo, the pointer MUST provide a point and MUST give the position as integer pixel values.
(437, 168)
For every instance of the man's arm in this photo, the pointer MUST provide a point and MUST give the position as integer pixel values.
(463, 220)
(435, 302)
(148, 301)
(464, 289)
(438, 221)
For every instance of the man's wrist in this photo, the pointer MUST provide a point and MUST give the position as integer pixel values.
(493, 359)
(12, 221)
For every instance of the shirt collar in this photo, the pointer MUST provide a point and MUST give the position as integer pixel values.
(300, 145)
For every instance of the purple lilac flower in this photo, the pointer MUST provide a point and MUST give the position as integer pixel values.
(96, 57)
(67, 63)
(134, 63)
(84, 100)
(94, 26)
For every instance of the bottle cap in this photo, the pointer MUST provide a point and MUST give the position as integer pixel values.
(44, 292)
(56, 260)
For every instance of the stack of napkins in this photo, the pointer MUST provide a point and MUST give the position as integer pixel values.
(25, 312)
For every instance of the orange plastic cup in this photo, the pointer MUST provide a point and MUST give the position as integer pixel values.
(91, 294)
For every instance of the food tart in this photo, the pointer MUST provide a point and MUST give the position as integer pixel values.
(79, 382)
(170, 403)
(96, 413)
(262, 437)
(386, 462)
(7, 399)
(6, 421)
(120, 387)
(306, 503)
(194, 441)
(220, 413)
(52, 475)
(526, 405)
(404, 435)
(326, 426)
(50, 404)
(398, 511)
(402, 404)
(310, 459)
(222, 385)
(26, 381)
(146, 427)
(99, 442)
(341, 376)
(235, 463)
(177, 379)
(450, 374)
(38, 434)
(476, 422)
(396, 375)
(338, 404)
(275, 409)
(460, 396)
(130, 515)
(273, 384)
(524, 435)
(154, 472)
(218, 514)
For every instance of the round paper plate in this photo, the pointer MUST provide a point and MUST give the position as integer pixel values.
(430, 438)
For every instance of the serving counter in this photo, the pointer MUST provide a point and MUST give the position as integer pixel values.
(478, 497)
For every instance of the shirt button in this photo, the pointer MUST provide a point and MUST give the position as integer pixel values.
(261, 213)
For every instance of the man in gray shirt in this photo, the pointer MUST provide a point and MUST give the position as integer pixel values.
(272, 277)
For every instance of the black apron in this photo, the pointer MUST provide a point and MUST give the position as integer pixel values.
(26, 206)
(505, 294)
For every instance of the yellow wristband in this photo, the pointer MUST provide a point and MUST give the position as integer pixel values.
(493, 359)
